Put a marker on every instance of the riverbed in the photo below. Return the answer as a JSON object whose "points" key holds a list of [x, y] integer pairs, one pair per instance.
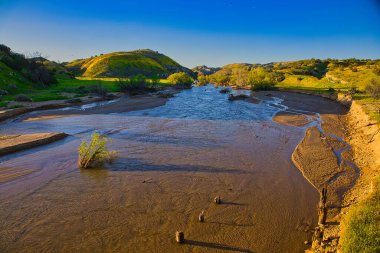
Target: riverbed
{"points": [[172, 161]]}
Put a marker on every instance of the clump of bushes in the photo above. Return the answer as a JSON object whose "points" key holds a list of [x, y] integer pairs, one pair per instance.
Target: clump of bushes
{"points": [[373, 88], [94, 152], [376, 71], [181, 80], [12, 87], [331, 90], [23, 98], [31, 68], [3, 92], [74, 101], [99, 90], [260, 79], [135, 85]]}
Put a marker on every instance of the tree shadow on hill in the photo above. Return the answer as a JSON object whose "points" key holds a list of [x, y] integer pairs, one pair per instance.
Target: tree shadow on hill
{"points": [[216, 246]]}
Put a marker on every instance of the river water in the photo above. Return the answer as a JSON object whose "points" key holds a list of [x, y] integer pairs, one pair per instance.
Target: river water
{"points": [[172, 161]]}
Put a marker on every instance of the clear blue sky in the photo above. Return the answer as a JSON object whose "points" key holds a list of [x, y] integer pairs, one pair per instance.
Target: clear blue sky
{"points": [[195, 32]]}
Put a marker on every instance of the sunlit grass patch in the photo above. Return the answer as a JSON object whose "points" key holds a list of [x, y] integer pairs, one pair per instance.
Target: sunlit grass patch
{"points": [[361, 226]]}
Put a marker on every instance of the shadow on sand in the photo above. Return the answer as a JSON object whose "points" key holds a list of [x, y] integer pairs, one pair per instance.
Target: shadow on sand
{"points": [[216, 246], [130, 164]]}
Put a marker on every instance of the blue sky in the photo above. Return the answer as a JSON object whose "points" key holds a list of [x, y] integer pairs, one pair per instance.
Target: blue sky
{"points": [[195, 32]]}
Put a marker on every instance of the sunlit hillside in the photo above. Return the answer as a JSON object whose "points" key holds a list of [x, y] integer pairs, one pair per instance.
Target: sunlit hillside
{"points": [[126, 64]]}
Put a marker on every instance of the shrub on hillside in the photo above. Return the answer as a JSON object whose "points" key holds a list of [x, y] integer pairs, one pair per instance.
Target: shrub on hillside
{"points": [[12, 87], [181, 79], [203, 79], [5, 49], [260, 79], [376, 71], [94, 152], [38, 73], [3, 92], [33, 70], [23, 98], [373, 88]]}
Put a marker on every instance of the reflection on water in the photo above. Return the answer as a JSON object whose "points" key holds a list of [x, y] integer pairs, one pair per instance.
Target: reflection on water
{"points": [[172, 161]]}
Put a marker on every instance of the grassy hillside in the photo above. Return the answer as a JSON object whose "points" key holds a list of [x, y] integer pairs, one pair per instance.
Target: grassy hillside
{"points": [[126, 64], [310, 74], [41, 80]]}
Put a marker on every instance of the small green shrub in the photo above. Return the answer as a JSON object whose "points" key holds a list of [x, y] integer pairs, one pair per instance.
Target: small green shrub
{"points": [[3, 92], [181, 79], [23, 98], [260, 79], [99, 90], [135, 85], [94, 152], [15, 106], [373, 88], [12, 88], [376, 71], [331, 90]]}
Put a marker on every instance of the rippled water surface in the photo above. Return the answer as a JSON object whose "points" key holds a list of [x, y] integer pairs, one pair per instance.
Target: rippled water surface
{"points": [[172, 161]]}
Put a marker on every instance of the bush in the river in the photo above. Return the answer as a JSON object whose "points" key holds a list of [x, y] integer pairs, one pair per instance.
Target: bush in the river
{"points": [[181, 79], [23, 98], [373, 88], [94, 152]]}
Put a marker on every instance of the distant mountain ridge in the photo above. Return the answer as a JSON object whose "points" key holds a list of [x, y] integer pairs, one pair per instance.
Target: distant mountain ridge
{"points": [[126, 64], [204, 70]]}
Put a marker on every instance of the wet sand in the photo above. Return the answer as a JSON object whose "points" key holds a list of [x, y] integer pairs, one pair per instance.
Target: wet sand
{"points": [[323, 156], [14, 143], [171, 165], [123, 104]]}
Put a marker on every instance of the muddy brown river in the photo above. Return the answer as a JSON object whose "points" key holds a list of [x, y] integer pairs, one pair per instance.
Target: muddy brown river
{"points": [[172, 161]]}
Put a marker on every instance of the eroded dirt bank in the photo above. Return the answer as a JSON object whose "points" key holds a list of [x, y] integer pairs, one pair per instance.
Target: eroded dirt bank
{"points": [[335, 146]]}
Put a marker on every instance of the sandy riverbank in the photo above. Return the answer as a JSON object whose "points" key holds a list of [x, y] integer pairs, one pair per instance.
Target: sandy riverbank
{"points": [[331, 153], [123, 104], [88, 105], [14, 143]]}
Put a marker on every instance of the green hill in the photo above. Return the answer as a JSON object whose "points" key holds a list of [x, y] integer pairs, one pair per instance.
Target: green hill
{"points": [[304, 74], [126, 64], [20, 73]]}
